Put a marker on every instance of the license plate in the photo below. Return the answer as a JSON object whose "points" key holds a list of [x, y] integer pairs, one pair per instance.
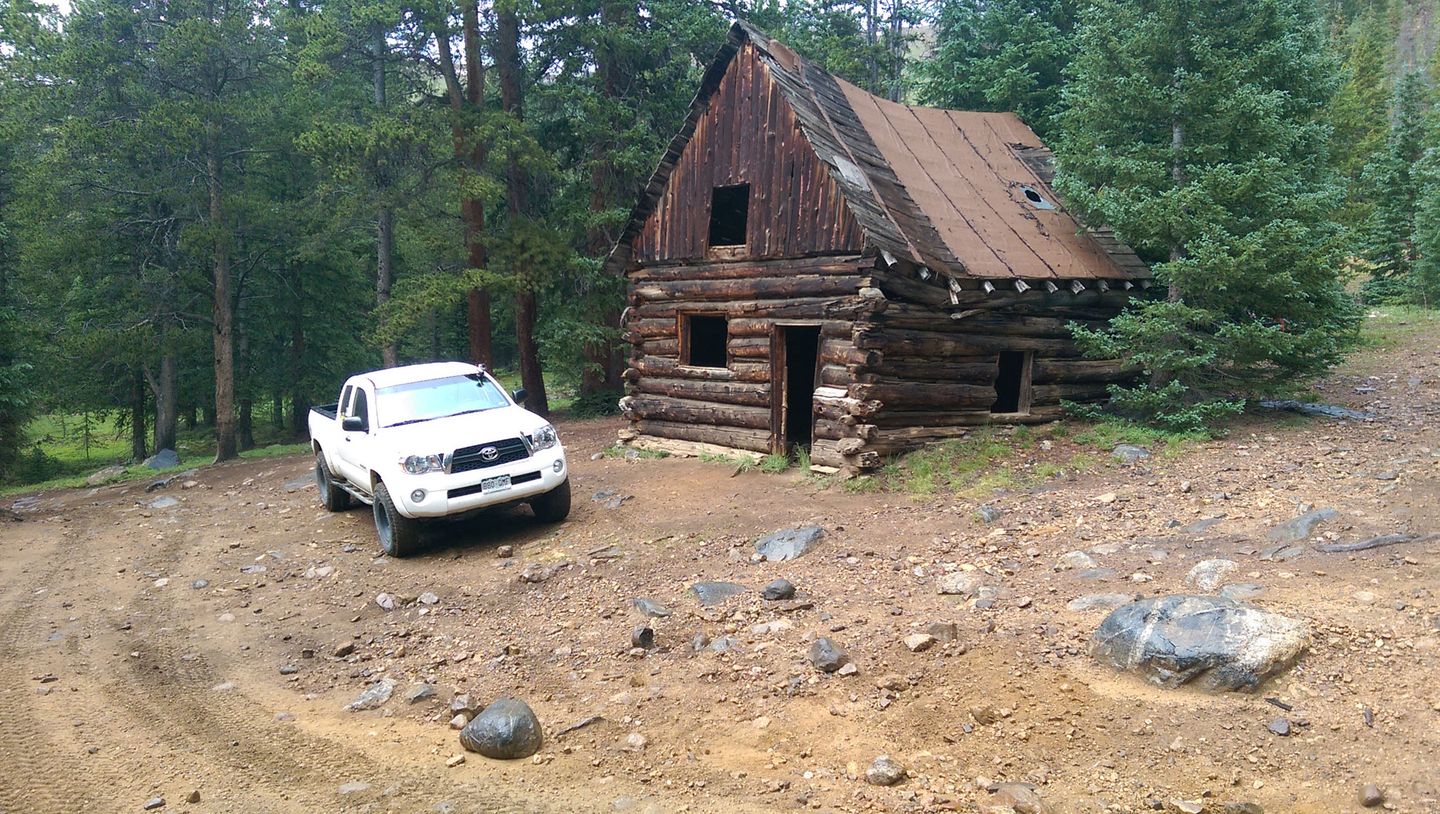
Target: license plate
{"points": [[499, 483]]}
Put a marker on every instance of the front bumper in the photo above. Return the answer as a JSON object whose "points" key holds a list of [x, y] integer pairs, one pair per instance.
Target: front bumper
{"points": [[448, 494]]}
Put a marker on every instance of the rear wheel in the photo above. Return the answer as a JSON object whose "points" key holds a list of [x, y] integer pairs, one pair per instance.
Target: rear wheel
{"points": [[554, 505], [334, 498], [399, 535]]}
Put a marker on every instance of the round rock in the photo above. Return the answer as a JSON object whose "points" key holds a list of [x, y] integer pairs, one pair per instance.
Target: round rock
{"points": [[505, 730], [885, 771], [779, 589]]}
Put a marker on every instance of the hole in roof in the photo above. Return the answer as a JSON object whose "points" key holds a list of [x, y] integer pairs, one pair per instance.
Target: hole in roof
{"points": [[1036, 199]]}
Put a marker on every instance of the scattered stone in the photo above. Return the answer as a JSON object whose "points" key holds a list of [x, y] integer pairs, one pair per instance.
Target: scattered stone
{"points": [[459, 721], [650, 608], [1280, 552], [1218, 643], [319, 571], [1279, 726], [428, 598], [985, 714], [455, 760], [193, 796], [1243, 808], [1019, 797], [419, 692], [989, 514], [1241, 591], [463, 704], [288, 669], [1090, 602], [1371, 796], [609, 498], [153, 803], [505, 730], [1312, 409], [944, 632], [826, 656], [164, 459], [535, 573], [635, 742], [100, 477], [505, 552], [254, 569], [386, 601], [699, 642], [1129, 453], [343, 649], [374, 696], [848, 669], [643, 636], [1107, 498], [1075, 561], [354, 787], [300, 483], [1299, 529], [961, 583], [919, 642], [724, 644], [1208, 574], [710, 594], [779, 589], [884, 771], [1187, 806], [789, 543], [163, 502]]}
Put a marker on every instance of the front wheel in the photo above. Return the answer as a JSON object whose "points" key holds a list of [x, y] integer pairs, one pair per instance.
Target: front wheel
{"points": [[334, 498], [399, 535], [554, 505]]}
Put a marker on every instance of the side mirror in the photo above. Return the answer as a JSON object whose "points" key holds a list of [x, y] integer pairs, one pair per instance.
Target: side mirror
{"points": [[519, 395], [353, 423]]}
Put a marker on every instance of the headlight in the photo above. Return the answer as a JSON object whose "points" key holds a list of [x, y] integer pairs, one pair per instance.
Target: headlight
{"points": [[420, 464], [543, 438]]}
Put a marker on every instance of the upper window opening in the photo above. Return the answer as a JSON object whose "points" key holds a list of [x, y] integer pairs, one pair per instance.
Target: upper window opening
{"points": [[703, 340], [1039, 201], [729, 215]]}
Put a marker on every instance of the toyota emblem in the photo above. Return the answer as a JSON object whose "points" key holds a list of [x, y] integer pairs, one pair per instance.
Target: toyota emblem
{"points": [[489, 453]]}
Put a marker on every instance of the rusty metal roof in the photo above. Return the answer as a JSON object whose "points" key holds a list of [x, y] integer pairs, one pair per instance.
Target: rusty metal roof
{"points": [[966, 194]]}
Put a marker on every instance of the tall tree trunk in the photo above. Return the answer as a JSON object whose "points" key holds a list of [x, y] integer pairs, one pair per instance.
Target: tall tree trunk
{"points": [[166, 415], [277, 412], [507, 62], [384, 215], [466, 101], [222, 309], [299, 401], [137, 415], [603, 358], [245, 427]]}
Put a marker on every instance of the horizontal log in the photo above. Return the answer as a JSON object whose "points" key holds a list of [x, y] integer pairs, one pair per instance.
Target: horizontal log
{"points": [[893, 419], [842, 308], [967, 369], [844, 352], [897, 342], [835, 376], [802, 285], [663, 408], [690, 449], [671, 368], [835, 408], [1055, 393], [825, 453], [900, 395], [835, 265], [1065, 371], [752, 394], [754, 440], [834, 430], [748, 347]]}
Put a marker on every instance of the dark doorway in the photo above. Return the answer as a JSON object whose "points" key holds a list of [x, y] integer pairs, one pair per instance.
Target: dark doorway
{"points": [[1012, 383], [798, 351], [729, 215]]}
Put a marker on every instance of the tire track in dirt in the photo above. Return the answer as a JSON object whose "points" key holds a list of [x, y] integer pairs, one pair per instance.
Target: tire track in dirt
{"points": [[38, 777], [169, 690]]}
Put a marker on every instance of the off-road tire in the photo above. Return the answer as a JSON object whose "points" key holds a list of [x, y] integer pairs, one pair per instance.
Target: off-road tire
{"points": [[399, 535], [334, 498], [554, 505]]}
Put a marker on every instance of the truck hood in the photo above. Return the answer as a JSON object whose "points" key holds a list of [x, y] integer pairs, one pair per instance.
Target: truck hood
{"points": [[444, 435]]}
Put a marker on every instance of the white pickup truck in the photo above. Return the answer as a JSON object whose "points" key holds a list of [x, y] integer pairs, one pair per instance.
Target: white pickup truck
{"points": [[434, 440]]}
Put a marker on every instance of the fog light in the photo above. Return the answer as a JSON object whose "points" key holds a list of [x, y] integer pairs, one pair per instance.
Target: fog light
{"points": [[417, 496], [558, 466]]}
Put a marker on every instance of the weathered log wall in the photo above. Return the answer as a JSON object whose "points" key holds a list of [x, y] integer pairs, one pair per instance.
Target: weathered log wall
{"points": [[749, 135]]}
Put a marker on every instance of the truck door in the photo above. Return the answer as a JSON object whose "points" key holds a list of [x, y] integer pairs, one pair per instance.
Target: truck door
{"points": [[354, 444]]}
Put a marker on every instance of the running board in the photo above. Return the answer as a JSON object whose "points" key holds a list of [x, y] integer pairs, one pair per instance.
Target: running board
{"points": [[358, 495]]}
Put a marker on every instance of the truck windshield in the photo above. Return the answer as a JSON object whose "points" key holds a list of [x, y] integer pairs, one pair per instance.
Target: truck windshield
{"points": [[436, 398]]}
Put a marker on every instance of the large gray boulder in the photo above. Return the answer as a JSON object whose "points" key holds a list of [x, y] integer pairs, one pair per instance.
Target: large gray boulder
{"points": [[505, 730], [164, 459], [1210, 641], [788, 544], [1300, 528]]}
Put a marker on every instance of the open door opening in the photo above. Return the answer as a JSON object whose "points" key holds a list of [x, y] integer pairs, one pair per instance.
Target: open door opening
{"points": [[799, 352], [1012, 383]]}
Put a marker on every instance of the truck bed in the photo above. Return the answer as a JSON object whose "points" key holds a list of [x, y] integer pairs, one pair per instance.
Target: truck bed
{"points": [[327, 410]]}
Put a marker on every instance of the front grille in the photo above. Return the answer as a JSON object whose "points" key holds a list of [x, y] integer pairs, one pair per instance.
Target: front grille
{"points": [[510, 450], [475, 488]]}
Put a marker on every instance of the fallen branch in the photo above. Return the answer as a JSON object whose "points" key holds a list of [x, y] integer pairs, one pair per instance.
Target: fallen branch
{"points": [[1375, 542]]}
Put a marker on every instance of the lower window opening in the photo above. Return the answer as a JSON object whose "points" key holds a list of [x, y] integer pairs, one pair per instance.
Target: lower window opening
{"points": [[705, 338]]}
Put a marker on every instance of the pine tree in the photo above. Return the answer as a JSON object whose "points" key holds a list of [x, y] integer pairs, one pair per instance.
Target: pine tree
{"points": [[1393, 183], [1007, 55], [1426, 273], [1358, 111], [1194, 129]]}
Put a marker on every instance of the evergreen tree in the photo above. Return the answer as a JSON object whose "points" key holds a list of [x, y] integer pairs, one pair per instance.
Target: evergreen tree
{"points": [[1359, 109], [1006, 55], [1393, 183], [1194, 129]]}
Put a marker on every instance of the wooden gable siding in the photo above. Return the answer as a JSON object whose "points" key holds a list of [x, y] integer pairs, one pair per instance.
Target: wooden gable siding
{"points": [[749, 135]]}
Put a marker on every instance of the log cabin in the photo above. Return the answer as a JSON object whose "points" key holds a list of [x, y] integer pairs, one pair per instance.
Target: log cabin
{"points": [[813, 266]]}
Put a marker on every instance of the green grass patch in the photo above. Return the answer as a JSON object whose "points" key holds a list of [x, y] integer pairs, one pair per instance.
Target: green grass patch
{"points": [[774, 464], [622, 451], [1388, 327], [277, 450], [1109, 434]]}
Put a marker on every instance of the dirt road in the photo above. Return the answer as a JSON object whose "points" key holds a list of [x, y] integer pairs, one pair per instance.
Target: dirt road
{"points": [[123, 678]]}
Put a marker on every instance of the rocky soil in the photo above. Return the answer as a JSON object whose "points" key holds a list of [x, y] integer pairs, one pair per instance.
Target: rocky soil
{"points": [[241, 650]]}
